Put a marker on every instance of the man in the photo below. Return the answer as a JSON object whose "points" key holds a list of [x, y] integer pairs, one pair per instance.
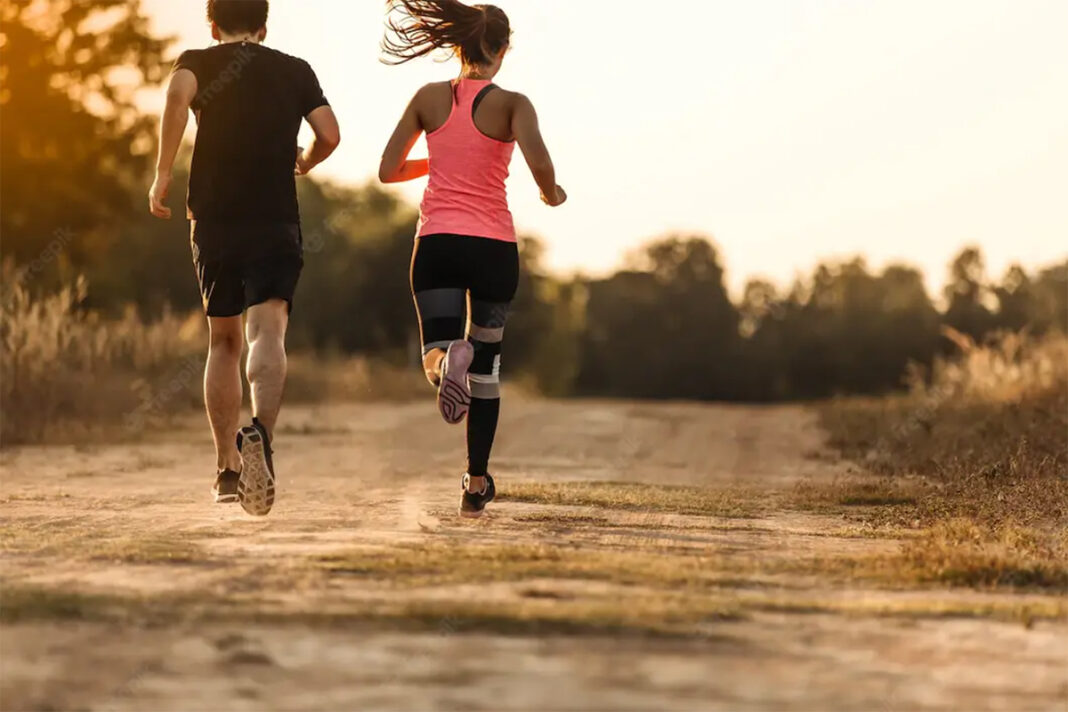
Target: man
{"points": [[249, 102]]}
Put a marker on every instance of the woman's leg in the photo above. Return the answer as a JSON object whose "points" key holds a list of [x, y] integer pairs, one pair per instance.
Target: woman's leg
{"points": [[494, 284], [440, 297], [486, 333]]}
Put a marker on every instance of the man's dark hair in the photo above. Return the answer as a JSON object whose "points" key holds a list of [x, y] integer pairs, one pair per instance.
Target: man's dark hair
{"points": [[233, 16]]}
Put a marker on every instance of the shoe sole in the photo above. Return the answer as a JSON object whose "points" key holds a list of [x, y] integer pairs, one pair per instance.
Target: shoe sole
{"points": [[454, 395], [472, 515], [224, 498], [255, 489]]}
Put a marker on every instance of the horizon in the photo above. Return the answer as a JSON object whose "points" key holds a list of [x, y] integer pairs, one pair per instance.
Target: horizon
{"points": [[898, 155]]}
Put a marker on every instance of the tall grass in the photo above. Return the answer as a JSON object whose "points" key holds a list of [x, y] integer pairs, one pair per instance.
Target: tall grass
{"points": [[65, 370], [987, 434], [67, 373], [996, 414]]}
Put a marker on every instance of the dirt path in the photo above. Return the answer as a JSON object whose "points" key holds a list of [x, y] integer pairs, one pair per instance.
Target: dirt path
{"points": [[363, 590]]}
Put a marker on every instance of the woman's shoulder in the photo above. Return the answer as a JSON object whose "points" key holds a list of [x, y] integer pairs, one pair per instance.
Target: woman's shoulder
{"points": [[513, 99], [506, 98]]}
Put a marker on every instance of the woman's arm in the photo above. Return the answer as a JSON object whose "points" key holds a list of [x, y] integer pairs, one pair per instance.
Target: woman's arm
{"points": [[528, 135], [395, 166]]}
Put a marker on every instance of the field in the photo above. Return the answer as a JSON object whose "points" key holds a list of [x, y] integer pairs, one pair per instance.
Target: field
{"points": [[641, 556]]}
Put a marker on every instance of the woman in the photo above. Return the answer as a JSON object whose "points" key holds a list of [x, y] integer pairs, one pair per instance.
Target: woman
{"points": [[465, 251]]}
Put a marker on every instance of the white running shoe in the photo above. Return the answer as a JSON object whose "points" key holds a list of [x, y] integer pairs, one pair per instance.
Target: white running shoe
{"points": [[255, 489]]}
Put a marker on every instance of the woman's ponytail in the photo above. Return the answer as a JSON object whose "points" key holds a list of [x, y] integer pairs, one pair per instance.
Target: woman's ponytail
{"points": [[418, 27]]}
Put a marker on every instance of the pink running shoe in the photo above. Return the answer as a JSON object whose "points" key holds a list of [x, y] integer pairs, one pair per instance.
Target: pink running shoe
{"points": [[454, 393]]}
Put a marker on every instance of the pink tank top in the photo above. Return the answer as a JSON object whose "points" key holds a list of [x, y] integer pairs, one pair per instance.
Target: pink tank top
{"points": [[466, 193]]}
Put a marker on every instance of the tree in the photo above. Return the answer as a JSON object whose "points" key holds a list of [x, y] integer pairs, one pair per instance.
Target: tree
{"points": [[1050, 306], [663, 328], [967, 295], [1037, 304], [761, 369], [73, 146], [1016, 300], [845, 331]]}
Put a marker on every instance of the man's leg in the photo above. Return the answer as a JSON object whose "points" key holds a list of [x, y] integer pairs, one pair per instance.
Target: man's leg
{"points": [[222, 388], [223, 295], [270, 282], [266, 368]]}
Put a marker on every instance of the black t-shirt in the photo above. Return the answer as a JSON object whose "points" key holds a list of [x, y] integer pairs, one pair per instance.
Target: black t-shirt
{"points": [[250, 103]]}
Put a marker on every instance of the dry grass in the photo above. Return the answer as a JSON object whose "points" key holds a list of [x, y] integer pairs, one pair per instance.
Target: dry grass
{"points": [[1006, 610], [662, 615], [439, 564], [77, 540], [577, 592], [956, 554], [963, 553], [729, 502], [68, 373], [988, 434], [145, 551], [65, 370], [530, 586], [22, 603], [857, 493]]}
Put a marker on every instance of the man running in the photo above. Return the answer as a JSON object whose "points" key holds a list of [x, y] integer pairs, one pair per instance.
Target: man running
{"points": [[249, 102]]}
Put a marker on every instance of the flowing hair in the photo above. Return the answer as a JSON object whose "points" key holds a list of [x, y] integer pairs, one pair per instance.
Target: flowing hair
{"points": [[415, 28]]}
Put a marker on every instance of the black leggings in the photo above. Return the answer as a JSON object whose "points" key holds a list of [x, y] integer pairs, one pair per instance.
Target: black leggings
{"points": [[455, 277]]}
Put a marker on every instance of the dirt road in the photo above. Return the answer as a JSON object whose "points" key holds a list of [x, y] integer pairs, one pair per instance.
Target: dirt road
{"points": [[124, 588]]}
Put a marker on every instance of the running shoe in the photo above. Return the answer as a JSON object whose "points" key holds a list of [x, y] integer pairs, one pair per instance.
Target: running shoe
{"points": [[472, 504], [225, 488], [454, 392], [255, 488]]}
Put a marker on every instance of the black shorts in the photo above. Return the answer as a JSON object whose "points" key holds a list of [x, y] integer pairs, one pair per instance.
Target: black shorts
{"points": [[463, 288], [240, 265]]}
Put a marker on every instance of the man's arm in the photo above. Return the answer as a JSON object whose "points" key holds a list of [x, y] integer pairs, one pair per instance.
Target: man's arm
{"points": [[327, 138], [528, 135], [180, 94], [395, 166]]}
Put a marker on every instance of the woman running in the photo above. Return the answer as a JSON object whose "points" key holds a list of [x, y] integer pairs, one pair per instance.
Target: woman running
{"points": [[466, 258]]}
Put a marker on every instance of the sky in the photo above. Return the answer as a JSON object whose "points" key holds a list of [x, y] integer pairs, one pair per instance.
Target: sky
{"points": [[788, 131]]}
